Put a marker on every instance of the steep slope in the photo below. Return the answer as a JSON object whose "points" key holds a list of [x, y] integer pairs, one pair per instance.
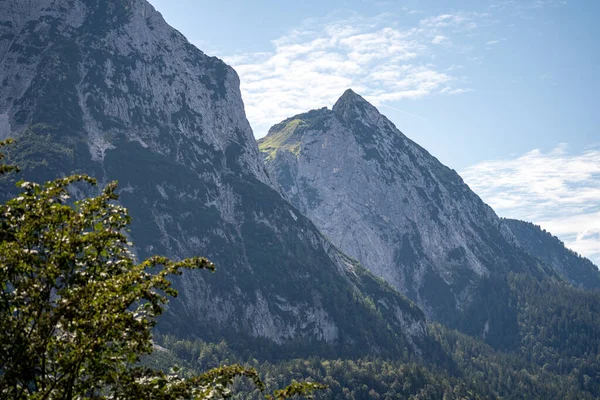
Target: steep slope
{"points": [[108, 88], [578, 270], [387, 202]]}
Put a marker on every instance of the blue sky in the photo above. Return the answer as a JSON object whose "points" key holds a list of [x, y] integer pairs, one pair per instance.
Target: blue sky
{"points": [[504, 91]]}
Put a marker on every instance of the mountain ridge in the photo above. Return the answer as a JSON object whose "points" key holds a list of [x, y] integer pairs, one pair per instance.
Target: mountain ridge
{"points": [[578, 270]]}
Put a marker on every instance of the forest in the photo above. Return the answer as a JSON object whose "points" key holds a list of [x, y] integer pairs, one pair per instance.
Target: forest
{"points": [[554, 354]]}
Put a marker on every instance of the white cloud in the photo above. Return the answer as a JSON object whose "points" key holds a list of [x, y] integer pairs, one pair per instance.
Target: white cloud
{"points": [[558, 190], [491, 43], [457, 22], [476, 59], [311, 67], [449, 90], [440, 39]]}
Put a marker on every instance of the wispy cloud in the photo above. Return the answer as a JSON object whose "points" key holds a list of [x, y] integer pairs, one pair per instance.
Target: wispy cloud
{"points": [[524, 9], [495, 41], [311, 67], [558, 190], [440, 39], [450, 90], [457, 22]]}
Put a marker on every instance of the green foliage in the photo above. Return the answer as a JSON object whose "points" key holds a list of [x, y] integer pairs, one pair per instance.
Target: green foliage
{"points": [[559, 327], [3, 167], [498, 374], [363, 378], [543, 330], [77, 311], [42, 153], [281, 139], [480, 372], [297, 389]]}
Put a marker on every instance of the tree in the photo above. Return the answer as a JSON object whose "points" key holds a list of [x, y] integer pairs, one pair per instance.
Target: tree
{"points": [[77, 311]]}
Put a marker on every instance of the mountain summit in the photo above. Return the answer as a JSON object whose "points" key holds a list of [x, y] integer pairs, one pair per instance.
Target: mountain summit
{"points": [[353, 107], [388, 203]]}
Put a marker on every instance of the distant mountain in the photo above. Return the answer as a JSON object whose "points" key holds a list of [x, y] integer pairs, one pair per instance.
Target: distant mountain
{"points": [[387, 202], [578, 270], [108, 88]]}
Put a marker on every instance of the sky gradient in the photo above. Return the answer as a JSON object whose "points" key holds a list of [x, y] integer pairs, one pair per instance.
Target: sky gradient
{"points": [[503, 91]]}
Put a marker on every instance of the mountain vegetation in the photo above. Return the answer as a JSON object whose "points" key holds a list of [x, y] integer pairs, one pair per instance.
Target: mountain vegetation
{"points": [[554, 354]]}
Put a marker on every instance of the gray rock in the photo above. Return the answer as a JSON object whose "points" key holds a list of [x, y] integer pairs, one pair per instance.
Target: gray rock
{"points": [[387, 202]]}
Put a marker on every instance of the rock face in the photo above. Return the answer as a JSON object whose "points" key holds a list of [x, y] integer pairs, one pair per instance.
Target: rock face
{"points": [[387, 202], [578, 270], [108, 88]]}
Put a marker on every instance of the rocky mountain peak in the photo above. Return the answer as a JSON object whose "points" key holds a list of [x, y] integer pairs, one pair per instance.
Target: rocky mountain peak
{"points": [[352, 107], [388, 203]]}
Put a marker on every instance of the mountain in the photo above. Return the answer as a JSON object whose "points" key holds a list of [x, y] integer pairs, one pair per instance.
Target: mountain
{"points": [[387, 202], [109, 89], [578, 270]]}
